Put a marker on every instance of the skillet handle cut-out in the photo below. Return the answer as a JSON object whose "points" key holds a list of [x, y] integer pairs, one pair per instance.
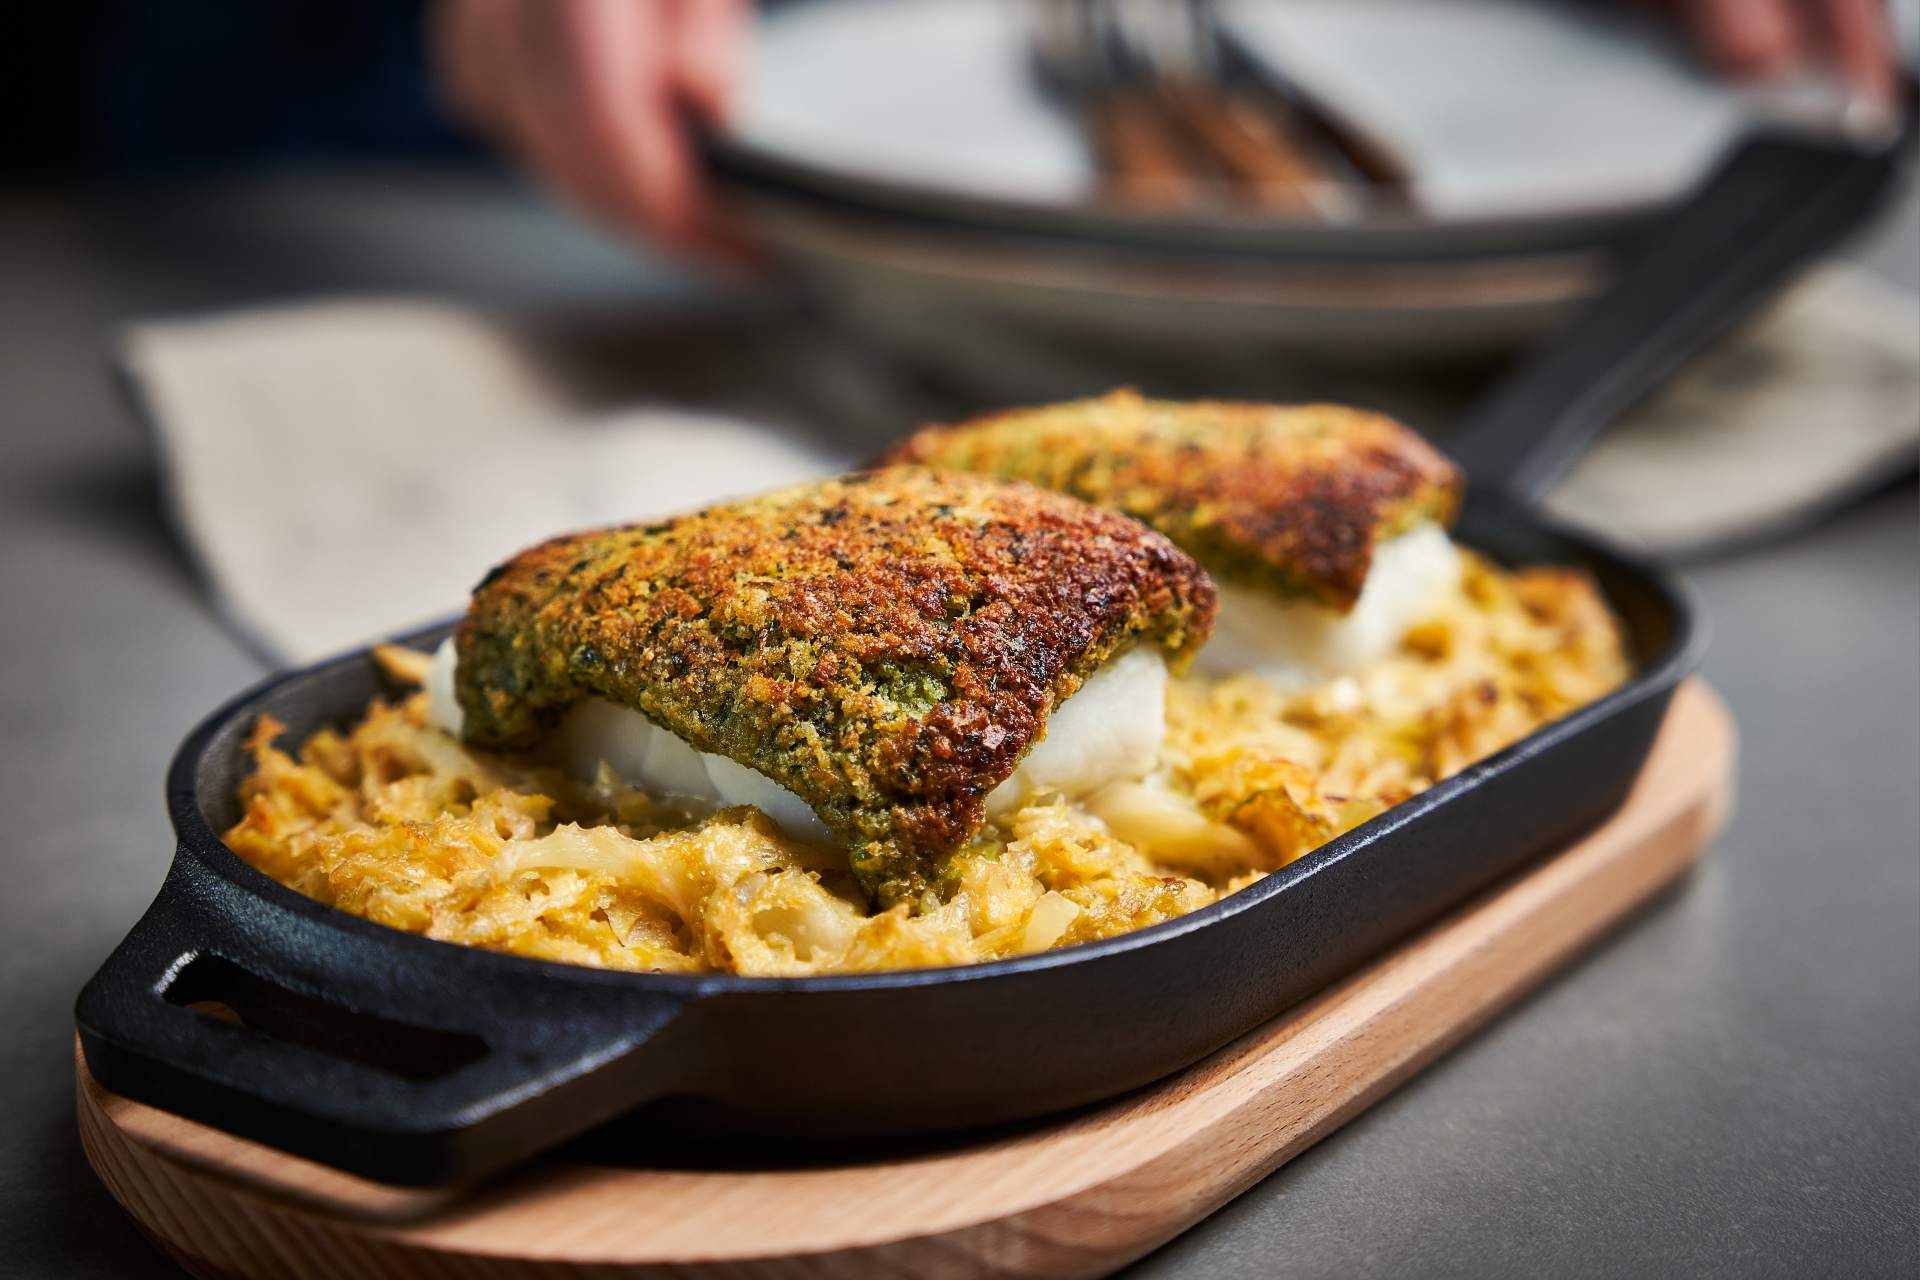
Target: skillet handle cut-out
{"points": [[1778, 200], [355, 1045]]}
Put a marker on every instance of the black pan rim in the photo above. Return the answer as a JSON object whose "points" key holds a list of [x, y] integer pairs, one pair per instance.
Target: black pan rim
{"points": [[1385, 239], [197, 838]]}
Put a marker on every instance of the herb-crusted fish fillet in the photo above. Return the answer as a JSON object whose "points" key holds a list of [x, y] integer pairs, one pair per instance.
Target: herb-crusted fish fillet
{"points": [[1294, 498], [887, 645]]}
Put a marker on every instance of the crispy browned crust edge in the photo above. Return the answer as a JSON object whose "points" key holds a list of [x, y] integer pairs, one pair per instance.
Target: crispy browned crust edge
{"points": [[886, 645], [1294, 498]]}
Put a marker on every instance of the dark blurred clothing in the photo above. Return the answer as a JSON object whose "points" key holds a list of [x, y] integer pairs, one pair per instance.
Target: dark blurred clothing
{"points": [[115, 87]]}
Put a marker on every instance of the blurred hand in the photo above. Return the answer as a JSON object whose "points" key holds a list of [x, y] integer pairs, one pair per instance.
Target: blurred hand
{"points": [[1763, 38], [597, 96]]}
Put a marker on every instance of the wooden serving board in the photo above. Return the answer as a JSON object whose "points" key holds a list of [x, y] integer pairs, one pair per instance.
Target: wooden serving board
{"points": [[1079, 1197]]}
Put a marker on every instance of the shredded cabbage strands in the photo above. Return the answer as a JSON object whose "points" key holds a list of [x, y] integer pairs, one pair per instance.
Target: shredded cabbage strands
{"points": [[395, 821]]}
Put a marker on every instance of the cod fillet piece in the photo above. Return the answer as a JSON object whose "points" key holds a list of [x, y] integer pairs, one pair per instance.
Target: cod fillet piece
{"points": [[1293, 498], [886, 645]]}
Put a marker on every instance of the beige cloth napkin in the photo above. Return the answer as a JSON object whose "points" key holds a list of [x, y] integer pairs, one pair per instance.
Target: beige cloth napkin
{"points": [[346, 470], [1815, 401]]}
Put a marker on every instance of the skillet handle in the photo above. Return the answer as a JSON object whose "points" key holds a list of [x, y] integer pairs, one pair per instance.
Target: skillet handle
{"points": [[1774, 203], [357, 1046]]}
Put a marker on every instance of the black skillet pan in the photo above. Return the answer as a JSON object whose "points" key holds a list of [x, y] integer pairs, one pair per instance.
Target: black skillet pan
{"points": [[414, 1061]]}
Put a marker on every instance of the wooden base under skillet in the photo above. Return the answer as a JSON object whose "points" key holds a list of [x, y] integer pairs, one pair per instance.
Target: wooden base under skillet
{"points": [[1078, 1197]]}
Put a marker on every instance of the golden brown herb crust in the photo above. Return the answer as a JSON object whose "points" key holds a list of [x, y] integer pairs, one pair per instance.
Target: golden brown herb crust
{"points": [[1291, 497], [885, 645]]}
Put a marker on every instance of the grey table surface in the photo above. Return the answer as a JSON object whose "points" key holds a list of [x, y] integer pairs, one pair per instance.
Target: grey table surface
{"points": [[1731, 1086]]}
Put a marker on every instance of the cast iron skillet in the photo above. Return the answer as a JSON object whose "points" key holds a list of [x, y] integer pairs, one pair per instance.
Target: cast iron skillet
{"points": [[414, 1061], [410, 1060]]}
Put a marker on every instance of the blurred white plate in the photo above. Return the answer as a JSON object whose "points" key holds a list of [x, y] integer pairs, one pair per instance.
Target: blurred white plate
{"points": [[901, 151]]}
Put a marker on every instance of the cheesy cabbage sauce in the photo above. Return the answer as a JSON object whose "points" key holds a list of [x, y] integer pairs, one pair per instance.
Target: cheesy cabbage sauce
{"points": [[400, 823]]}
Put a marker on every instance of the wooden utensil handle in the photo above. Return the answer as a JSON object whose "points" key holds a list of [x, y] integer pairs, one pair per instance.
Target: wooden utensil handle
{"points": [[1142, 161], [1251, 145]]}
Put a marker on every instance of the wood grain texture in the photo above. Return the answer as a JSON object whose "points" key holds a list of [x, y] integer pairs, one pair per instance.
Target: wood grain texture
{"points": [[1078, 1198]]}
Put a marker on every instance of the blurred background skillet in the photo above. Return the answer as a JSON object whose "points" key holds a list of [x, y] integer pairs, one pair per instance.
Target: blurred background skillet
{"points": [[938, 170]]}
